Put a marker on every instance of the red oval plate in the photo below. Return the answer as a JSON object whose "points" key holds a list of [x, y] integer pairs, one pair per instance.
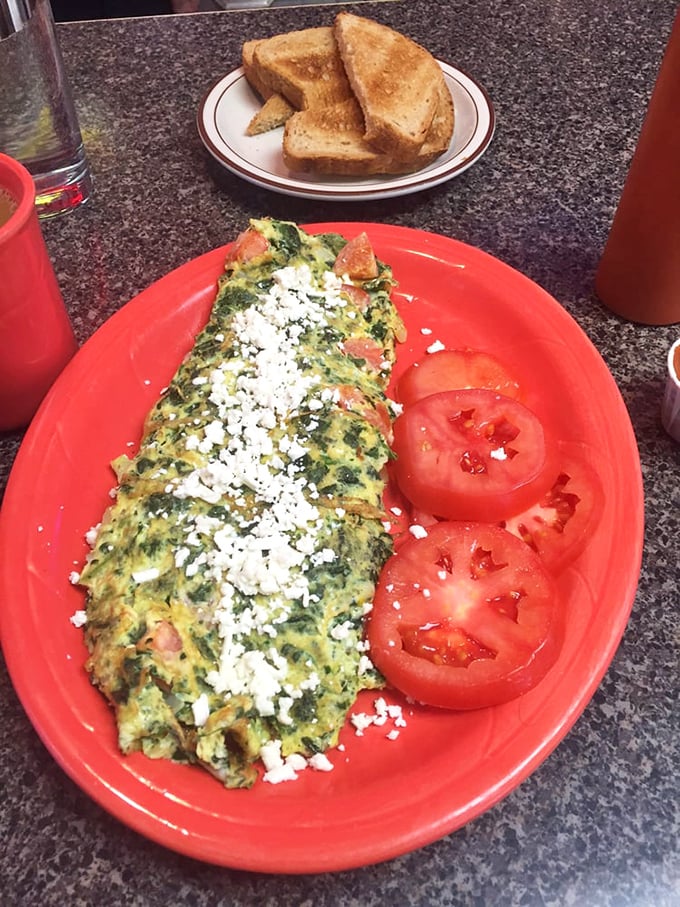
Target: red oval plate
{"points": [[384, 797]]}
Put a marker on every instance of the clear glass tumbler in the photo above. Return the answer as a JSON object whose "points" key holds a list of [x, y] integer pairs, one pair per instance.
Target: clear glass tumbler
{"points": [[38, 122]]}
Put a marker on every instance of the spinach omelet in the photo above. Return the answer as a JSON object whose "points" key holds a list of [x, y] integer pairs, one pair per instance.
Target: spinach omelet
{"points": [[228, 582]]}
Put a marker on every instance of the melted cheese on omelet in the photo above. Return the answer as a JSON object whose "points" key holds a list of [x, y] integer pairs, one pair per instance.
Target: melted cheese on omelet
{"points": [[228, 583]]}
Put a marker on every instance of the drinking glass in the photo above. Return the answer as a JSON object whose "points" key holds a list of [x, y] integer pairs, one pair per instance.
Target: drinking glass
{"points": [[38, 122]]}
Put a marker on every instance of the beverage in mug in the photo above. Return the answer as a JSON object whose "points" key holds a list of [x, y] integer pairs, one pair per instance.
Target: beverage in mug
{"points": [[8, 206], [38, 123]]}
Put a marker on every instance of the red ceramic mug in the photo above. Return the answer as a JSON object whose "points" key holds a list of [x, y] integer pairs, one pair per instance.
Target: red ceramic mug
{"points": [[36, 337]]}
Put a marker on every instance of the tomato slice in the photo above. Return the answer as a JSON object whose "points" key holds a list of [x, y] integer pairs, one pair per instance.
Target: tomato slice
{"points": [[471, 455], [453, 370], [357, 259], [465, 618], [557, 527]]}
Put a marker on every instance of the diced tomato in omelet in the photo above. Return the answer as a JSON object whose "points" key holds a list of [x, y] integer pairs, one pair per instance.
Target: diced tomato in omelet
{"points": [[247, 245], [357, 259], [365, 348]]}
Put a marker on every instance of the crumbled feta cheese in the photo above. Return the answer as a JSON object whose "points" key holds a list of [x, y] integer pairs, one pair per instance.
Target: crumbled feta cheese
{"points": [[341, 631], [276, 770], [201, 710], [91, 535], [78, 618], [296, 761], [311, 683], [361, 721], [250, 672], [270, 754], [365, 665], [384, 712], [181, 556], [285, 703], [280, 773], [145, 576], [436, 347], [417, 531], [395, 713], [320, 763]]}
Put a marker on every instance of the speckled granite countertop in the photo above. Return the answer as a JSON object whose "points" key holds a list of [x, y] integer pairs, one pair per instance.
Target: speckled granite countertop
{"points": [[596, 823]]}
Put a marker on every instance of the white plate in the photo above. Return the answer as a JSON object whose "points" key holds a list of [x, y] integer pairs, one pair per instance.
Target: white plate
{"points": [[231, 103]]}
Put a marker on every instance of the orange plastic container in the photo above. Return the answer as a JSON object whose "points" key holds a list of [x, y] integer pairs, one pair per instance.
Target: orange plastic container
{"points": [[639, 273], [36, 337]]}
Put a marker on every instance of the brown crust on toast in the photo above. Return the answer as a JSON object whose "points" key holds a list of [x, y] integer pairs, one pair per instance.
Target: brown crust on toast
{"points": [[255, 77], [441, 129]]}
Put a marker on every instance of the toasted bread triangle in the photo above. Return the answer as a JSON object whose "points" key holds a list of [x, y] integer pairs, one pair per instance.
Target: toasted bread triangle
{"points": [[396, 82], [304, 66], [274, 112]]}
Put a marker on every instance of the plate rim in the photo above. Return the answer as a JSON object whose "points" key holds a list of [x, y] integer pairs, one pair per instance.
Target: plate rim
{"points": [[351, 190], [404, 239]]}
